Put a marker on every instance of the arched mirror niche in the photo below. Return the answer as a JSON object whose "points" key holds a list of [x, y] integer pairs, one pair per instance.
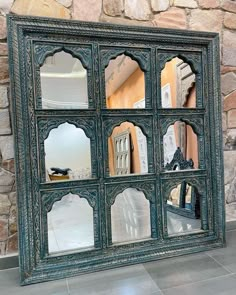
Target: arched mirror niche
{"points": [[70, 225], [127, 150], [63, 82], [180, 147], [183, 210], [67, 154], [178, 85], [124, 84], [130, 217]]}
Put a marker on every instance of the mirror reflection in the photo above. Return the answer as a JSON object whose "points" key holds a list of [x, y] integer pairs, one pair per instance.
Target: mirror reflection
{"points": [[180, 147], [125, 84], [130, 217], [127, 150], [178, 85], [183, 209], [70, 225], [67, 154], [63, 82]]}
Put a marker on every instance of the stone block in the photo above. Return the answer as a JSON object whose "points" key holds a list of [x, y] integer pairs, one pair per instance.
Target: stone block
{"points": [[231, 119], [209, 3], [3, 28], [174, 18], [138, 9], [229, 48], [87, 10], [4, 72], [5, 204], [7, 147], [9, 165], [225, 69], [5, 6], [13, 220], [229, 165], [3, 246], [229, 5], [5, 127], [230, 141], [230, 101], [113, 7], [12, 198], [206, 20], [224, 121], [66, 3], [186, 3], [228, 83], [7, 181], [160, 5], [3, 49], [3, 97], [230, 21], [124, 21], [12, 244], [3, 228], [49, 8]]}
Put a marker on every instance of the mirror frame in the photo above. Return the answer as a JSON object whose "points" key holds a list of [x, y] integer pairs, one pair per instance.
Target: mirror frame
{"points": [[31, 40]]}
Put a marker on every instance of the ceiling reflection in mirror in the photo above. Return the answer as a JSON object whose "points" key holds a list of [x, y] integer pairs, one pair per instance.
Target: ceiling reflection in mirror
{"points": [[130, 217], [178, 87], [67, 154], [70, 225], [127, 150], [63, 82], [125, 84], [180, 147], [183, 210]]}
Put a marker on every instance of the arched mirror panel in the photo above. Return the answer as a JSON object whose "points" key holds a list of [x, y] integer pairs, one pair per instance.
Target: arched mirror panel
{"points": [[178, 85], [127, 150], [67, 154], [70, 225], [180, 145], [183, 211], [130, 217], [125, 84], [64, 82]]}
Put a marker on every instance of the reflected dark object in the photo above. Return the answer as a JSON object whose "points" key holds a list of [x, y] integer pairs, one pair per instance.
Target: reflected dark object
{"points": [[60, 171], [178, 162]]}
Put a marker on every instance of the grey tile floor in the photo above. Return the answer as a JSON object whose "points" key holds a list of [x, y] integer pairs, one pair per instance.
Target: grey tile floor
{"points": [[207, 273]]}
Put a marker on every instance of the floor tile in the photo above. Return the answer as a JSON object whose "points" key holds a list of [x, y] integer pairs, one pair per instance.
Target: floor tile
{"points": [[9, 285], [182, 270], [225, 285], [132, 280]]}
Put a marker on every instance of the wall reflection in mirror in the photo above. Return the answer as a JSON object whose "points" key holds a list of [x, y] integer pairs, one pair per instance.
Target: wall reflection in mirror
{"points": [[63, 82], [125, 84], [127, 150], [130, 217], [67, 154], [183, 210], [180, 147], [70, 225], [178, 85]]}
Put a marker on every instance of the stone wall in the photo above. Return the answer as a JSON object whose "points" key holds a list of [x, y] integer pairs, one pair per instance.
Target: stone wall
{"points": [[206, 15]]}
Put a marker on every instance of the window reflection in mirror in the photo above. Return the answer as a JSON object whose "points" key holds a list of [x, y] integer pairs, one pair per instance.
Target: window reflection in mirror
{"points": [[125, 84], [70, 225], [178, 85], [180, 147], [63, 82], [183, 210], [130, 217], [67, 154], [127, 150]]}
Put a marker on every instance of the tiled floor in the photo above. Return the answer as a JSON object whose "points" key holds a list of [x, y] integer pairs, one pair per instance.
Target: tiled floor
{"points": [[209, 273]]}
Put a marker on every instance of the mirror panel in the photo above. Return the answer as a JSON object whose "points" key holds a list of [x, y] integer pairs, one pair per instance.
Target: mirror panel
{"points": [[67, 154], [183, 210], [63, 82], [178, 85], [180, 145], [130, 217], [127, 150], [70, 225], [125, 84]]}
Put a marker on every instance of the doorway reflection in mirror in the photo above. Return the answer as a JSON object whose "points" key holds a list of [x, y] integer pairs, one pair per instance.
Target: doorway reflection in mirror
{"points": [[67, 154], [63, 82], [127, 150], [178, 85], [125, 83]]}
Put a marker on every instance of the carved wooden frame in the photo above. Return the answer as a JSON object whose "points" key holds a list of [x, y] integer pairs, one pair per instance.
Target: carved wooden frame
{"points": [[30, 40]]}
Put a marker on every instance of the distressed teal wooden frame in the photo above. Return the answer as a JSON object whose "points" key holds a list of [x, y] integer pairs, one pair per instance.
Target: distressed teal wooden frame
{"points": [[31, 40]]}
